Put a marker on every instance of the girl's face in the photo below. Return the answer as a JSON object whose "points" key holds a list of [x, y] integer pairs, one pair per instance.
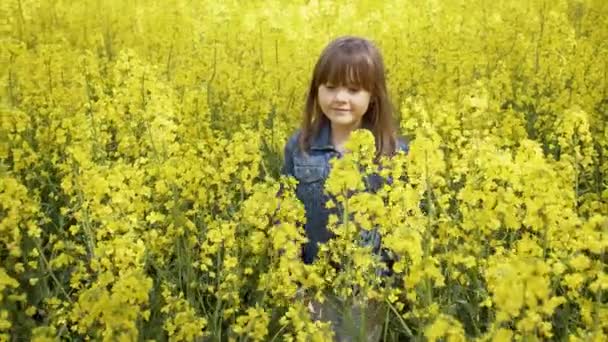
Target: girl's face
{"points": [[342, 105]]}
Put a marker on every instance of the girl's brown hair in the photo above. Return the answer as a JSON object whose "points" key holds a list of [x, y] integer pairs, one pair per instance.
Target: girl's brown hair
{"points": [[354, 62]]}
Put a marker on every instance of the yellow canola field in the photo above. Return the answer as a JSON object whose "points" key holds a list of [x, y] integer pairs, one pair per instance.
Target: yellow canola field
{"points": [[141, 143]]}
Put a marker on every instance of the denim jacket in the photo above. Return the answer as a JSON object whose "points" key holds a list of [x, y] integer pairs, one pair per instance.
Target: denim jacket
{"points": [[311, 170]]}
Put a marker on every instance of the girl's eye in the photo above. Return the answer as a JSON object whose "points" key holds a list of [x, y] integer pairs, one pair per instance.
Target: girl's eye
{"points": [[350, 89]]}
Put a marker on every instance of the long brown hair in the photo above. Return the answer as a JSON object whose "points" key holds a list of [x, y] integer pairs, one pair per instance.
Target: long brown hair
{"points": [[352, 61]]}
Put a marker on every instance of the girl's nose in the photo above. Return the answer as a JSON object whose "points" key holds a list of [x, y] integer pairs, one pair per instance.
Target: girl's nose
{"points": [[341, 94]]}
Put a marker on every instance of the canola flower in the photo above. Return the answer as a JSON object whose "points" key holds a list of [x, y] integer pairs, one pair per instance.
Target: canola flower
{"points": [[140, 152]]}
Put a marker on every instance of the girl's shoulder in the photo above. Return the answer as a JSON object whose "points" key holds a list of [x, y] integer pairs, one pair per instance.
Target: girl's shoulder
{"points": [[292, 142]]}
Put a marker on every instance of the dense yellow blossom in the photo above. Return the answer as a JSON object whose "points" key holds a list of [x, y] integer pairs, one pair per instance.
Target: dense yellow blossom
{"points": [[140, 149]]}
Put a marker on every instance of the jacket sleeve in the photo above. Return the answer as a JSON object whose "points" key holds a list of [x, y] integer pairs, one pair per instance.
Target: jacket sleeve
{"points": [[290, 147], [385, 254]]}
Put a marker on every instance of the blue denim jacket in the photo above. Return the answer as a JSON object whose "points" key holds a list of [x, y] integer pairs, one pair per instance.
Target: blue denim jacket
{"points": [[311, 171]]}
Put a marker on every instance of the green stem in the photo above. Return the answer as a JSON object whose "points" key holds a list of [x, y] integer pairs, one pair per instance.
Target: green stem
{"points": [[51, 273], [20, 20], [218, 305], [9, 86], [403, 324], [278, 332], [86, 224], [91, 115], [427, 233]]}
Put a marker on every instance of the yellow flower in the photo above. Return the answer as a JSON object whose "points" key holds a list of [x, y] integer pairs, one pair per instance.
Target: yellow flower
{"points": [[254, 324], [445, 327]]}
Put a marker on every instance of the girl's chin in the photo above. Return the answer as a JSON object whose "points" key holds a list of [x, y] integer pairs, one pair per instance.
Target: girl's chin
{"points": [[342, 119], [343, 122]]}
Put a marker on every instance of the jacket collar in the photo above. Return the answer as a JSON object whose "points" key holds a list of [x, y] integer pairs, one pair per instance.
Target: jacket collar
{"points": [[322, 141]]}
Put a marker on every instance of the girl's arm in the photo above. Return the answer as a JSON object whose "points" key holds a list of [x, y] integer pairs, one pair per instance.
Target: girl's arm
{"points": [[372, 237], [290, 147]]}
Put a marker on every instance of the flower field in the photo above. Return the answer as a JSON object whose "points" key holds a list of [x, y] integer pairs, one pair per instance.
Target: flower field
{"points": [[141, 198]]}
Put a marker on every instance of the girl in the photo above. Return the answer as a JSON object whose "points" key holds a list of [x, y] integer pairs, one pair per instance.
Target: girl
{"points": [[347, 92]]}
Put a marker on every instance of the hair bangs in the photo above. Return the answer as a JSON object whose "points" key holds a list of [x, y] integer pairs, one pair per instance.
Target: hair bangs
{"points": [[347, 68]]}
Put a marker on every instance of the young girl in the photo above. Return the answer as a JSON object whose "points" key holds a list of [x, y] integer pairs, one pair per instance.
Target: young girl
{"points": [[347, 92]]}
